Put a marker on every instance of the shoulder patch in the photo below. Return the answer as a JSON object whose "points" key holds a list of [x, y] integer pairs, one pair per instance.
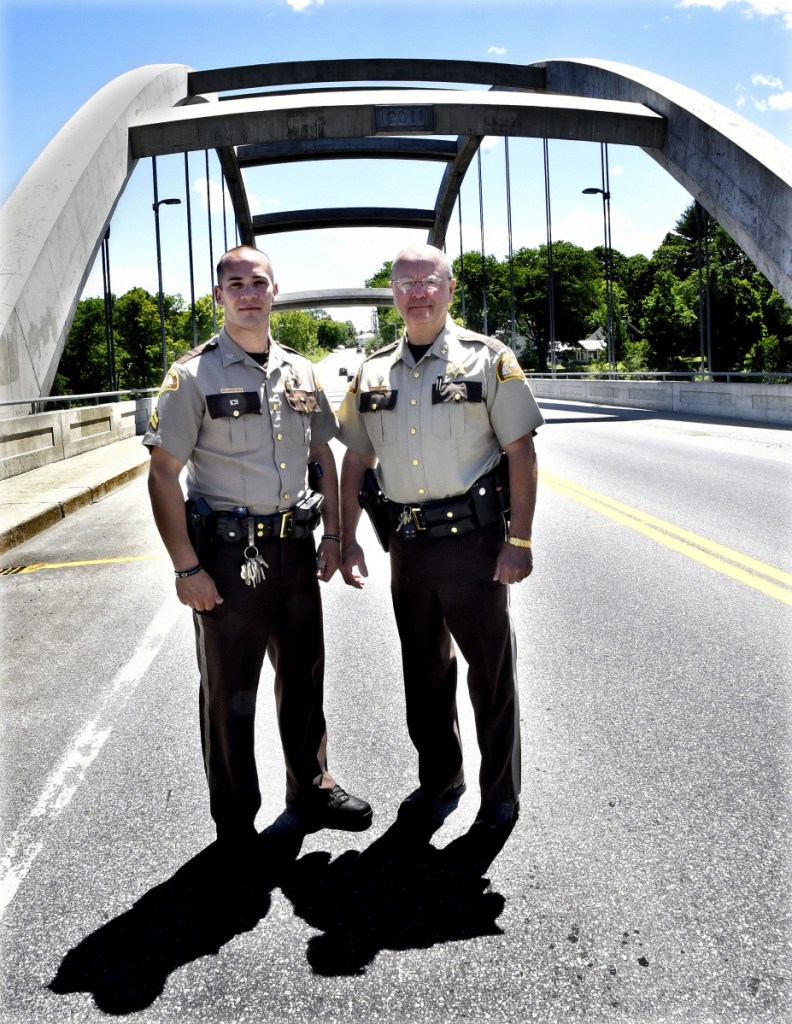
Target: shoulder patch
{"points": [[509, 368], [170, 383]]}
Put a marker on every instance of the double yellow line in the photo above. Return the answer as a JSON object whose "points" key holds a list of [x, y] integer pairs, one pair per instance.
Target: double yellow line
{"points": [[746, 570]]}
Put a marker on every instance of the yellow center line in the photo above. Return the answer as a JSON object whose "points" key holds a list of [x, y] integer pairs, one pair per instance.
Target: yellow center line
{"points": [[37, 566], [738, 566]]}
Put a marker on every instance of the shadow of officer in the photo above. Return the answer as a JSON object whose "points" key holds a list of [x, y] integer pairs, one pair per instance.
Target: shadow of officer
{"points": [[125, 964], [400, 893]]}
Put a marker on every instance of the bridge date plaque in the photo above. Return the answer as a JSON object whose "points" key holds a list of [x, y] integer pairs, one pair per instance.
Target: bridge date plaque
{"points": [[404, 119]]}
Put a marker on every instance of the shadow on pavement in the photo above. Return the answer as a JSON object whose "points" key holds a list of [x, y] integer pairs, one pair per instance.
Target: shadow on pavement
{"points": [[209, 900], [399, 893]]}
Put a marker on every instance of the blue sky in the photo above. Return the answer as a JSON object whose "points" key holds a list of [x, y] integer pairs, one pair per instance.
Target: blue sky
{"points": [[56, 55]]}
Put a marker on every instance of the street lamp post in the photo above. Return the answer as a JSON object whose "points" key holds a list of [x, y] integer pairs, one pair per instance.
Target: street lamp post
{"points": [[155, 207], [606, 220]]}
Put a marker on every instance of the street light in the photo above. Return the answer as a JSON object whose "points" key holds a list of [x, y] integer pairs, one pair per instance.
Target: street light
{"points": [[606, 219], [155, 207]]}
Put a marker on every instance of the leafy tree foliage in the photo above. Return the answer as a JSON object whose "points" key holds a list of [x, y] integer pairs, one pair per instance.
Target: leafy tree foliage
{"points": [[83, 366], [656, 304]]}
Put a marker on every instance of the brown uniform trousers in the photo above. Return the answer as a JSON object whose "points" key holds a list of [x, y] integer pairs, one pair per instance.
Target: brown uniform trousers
{"points": [[443, 588], [282, 617]]}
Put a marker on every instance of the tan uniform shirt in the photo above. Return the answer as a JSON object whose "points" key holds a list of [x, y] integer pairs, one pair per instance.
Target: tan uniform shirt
{"points": [[437, 426], [242, 429]]}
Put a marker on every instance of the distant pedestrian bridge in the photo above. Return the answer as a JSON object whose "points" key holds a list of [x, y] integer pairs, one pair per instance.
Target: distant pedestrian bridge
{"points": [[56, 220]]}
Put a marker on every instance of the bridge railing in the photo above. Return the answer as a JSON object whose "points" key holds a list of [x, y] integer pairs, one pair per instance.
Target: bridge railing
{"points": [[710, 377], [764, 398], [61, 426], [70, 401]]}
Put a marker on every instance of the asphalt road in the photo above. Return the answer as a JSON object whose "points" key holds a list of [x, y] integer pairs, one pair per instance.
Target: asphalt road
{"points": [[648, 879]]}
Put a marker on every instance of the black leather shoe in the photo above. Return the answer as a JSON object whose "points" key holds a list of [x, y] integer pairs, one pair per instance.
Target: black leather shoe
{"points": [[422, 803], [498, 817], [333, 808]]}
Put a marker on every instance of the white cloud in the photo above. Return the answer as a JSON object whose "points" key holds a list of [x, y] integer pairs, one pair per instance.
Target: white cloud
{"points": [[498, 50], [214, 193], [750, 8], [303, 5], [778, 100], [770, 81], [256, 203], [783, 101]]}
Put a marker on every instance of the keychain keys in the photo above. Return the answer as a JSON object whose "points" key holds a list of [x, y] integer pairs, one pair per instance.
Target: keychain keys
{"points": [[252, 571], [406, 523]]}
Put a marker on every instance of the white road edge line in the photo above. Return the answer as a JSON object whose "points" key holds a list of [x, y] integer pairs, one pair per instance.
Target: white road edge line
{"points": [[28, 840]]}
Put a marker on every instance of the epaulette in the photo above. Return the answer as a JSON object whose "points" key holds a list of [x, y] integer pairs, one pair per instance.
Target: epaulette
{"points": [[493, 343], [199, 350], [390, 347]]}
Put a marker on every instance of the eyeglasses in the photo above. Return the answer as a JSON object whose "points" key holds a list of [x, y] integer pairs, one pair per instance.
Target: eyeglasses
{"points": [[429, 284]]}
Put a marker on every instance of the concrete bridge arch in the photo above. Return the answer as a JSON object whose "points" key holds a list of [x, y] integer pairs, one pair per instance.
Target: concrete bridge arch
{"points": [[54, 222]]}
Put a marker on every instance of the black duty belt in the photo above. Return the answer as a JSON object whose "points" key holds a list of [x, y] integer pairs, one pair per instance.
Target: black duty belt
{"points": [[485, 503], [235, 529]]}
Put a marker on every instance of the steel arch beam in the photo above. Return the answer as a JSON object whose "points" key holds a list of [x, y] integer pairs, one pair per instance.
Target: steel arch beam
{"points": [[55, 220], [740, 174], [344, 217], [333, 297], [53, 223], [366, 69]]}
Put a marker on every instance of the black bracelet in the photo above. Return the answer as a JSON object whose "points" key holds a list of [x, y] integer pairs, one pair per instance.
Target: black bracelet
{"points": [[331, 536], [188, 572]]}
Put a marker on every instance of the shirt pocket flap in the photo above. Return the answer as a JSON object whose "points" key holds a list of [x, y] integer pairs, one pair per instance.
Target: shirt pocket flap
{"points": [[376, 401], [236, 403], [456, 391]]}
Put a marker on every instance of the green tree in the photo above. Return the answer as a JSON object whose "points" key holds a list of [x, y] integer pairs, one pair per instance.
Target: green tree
{"points": [[668, 323], [298, 330], [483, 286], [578, 295], [183, 329], [330, 334], [139, 344], [83, 365]]}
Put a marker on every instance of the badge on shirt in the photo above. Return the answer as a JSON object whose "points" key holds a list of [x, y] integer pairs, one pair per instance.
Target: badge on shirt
{"points": [[509, 368]]}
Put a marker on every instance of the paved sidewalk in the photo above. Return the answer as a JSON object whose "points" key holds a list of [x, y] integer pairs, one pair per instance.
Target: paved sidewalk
{"points": [[33, 501]]}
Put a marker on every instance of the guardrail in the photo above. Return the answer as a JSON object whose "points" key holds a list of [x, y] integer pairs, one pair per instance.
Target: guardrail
{"points": [[37, 439], [69, 400], [689, 375], [745, 397]]}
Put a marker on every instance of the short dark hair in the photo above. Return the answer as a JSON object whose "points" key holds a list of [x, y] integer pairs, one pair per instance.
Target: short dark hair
{"points": [[237, 248]]}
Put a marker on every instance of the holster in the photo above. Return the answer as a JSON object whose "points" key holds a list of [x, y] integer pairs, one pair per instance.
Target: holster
{"points": [[376, 506]]}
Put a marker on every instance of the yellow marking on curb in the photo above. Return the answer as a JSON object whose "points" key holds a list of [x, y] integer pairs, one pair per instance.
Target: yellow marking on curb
{"points": [[738, 566], [18, 570]]}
